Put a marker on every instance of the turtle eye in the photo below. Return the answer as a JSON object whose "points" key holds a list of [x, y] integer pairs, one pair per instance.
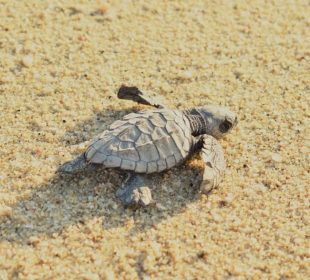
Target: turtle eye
{"points": [[225, 126]]}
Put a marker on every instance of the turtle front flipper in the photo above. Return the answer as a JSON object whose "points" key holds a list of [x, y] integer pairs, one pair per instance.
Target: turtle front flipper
{"points": [[213, 157], [134, 94], [134, 191]]}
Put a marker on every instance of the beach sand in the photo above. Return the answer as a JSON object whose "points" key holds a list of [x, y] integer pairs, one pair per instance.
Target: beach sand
{"points": [[61, 63]]}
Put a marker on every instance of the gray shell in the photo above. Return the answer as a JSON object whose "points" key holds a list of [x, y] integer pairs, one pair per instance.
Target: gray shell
{"points": [[144, 142]]}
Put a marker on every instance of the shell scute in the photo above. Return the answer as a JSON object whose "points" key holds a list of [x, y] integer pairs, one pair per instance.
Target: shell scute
{"points": [[170, 161], [130, 153], [148, 152], [165, 147], [117, 124], [145, 127], [141, 167], [161, 165], [151, 167], [171, 126], [96, 152], [186, 145], [178, 140], [98, 158], [126, 145], [168, 115], [158, 133], [131, 133], [131, 116], [112, 161], [110, 147], [143, 139], [179, 120], [179, 156], [128, 164], [158, 120]]}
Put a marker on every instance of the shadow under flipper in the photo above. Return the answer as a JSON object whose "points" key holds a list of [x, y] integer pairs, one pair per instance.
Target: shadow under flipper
{"points": [[172, 191], [68, 200]]}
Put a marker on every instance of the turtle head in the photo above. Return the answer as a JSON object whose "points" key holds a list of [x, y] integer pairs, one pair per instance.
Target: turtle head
{"points": [[218, 120]]}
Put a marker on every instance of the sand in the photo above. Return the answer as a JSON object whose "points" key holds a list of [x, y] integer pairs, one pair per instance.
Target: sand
{"points": [[61, 63]]}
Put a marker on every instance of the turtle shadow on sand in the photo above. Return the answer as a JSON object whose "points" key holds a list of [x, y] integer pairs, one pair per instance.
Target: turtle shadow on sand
{"points": [[75, 199]]}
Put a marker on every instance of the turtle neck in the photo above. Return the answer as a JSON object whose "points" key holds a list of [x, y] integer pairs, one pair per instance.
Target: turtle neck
{"points": [[196, 120]]}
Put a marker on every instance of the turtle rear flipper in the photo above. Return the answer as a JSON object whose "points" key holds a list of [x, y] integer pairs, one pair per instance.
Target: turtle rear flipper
{"points": [[77, 165], [134, 192]]}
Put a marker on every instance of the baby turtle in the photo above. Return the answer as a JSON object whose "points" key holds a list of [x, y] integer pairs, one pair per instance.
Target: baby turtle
{"points": [[156, 140]]}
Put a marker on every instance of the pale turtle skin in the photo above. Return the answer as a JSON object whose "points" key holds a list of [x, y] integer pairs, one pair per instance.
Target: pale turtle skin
{"points": [[156, 140]]}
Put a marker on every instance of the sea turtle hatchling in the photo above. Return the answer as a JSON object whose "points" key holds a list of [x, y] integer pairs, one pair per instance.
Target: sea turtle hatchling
{"points": [[156, 140]]}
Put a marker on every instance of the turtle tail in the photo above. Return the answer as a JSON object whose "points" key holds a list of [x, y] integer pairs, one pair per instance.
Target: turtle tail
{"points": [[76, 165]]}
